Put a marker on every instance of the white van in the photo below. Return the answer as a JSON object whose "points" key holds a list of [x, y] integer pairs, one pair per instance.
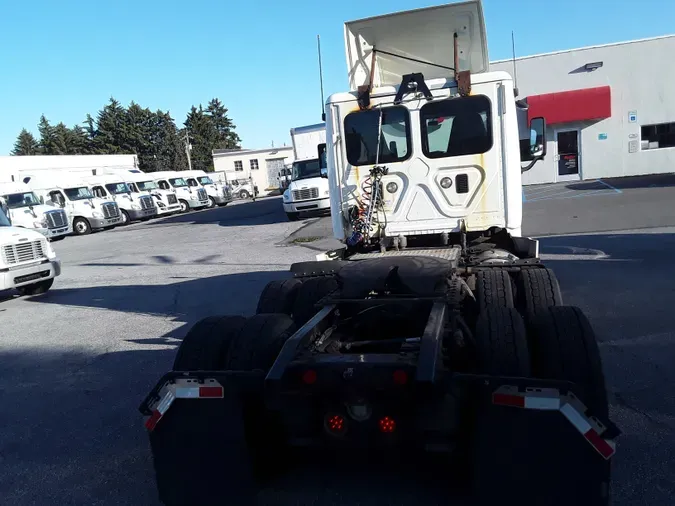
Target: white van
{"points": [[27, 261], [139, 208], [187, 197], [85, 211], [219, 195], [25, 210]]}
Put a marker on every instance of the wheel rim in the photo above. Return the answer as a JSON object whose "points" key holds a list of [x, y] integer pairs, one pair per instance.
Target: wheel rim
{"points": [[125, 218], [244, 195], [211, 202], [81, 227], [183, 206]]}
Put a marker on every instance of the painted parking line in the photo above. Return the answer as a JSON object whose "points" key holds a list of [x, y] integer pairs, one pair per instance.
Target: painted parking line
{"points": [[573, 190]]}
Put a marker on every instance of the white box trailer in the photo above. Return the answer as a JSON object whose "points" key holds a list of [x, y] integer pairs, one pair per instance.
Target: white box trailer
{"points": [[306, 140]]}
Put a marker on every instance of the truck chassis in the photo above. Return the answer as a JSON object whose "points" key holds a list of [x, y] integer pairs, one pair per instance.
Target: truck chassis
{"points": [[464, 350]]}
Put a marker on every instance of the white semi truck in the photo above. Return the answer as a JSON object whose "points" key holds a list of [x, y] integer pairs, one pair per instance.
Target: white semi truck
{"points": [[144, 184], [86, 212], [188, 198], [434, 328], [218, 194], [28, 263], [114, 187], [308, 190], [25, 210]]}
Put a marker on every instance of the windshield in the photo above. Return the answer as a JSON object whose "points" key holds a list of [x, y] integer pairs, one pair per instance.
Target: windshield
{"points": [[306, 169], [4, 222], [178, 182], [118, 188], [80, 193], [205, 180], [147, 185], [16, 200]]}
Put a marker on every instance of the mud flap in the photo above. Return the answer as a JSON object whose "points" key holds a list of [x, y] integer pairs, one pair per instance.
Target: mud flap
{"points": [[200, 454]]}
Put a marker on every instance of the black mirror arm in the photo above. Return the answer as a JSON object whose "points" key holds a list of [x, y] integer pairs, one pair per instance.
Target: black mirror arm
{"points": [[534, 160]]}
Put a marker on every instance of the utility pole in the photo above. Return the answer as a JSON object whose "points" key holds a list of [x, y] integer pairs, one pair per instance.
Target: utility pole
{"points": [[188, 148]]}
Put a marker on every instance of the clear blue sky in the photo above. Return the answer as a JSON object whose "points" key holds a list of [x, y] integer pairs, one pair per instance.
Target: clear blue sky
{"points": [[66, 58]]}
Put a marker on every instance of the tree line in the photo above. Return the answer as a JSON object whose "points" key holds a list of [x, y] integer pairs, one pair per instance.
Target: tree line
{"points": [[153, 136]]}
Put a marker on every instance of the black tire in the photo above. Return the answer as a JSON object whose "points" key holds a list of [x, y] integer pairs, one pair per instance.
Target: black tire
{"points": [[126, 219], [81, 226], [36, 288], [184, 206], [278, 296], [292, 216], [501, 343], [206, 345], [564, 347], [538, 289], [259, 342], [57, 238], [493, 289], [311, 292], [212, 203], [244, 194]]}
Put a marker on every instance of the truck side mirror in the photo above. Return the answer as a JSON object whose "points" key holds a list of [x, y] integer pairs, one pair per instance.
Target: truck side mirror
{"points": [[42, 199], [538, 137], [324, 172]]}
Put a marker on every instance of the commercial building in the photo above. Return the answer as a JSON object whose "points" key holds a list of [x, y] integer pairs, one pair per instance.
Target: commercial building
{"points": [[10, 166], [610, 109], [262, 165]]}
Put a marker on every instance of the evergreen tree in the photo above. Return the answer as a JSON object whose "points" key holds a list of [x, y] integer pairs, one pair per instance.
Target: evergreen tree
{"points": [[47, 139], [109, 128], [222, 124], [26, 144]]}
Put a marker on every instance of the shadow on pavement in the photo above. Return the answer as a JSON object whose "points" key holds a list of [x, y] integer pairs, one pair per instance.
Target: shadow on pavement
{"points": [[623, 183]]}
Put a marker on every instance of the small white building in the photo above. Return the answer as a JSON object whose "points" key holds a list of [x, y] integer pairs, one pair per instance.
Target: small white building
{"points": [[10, 166], [610, 109], [262, 165]]}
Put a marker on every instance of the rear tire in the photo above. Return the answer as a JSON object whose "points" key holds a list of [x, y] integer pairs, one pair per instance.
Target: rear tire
{"points": [[538, 289], [206, 345], [36, 288], [493, 289], [311, 292], [279, 296]]}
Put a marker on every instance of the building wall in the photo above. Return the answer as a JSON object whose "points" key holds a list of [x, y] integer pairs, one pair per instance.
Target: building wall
{"points": [[270, 162], [641, 77]]}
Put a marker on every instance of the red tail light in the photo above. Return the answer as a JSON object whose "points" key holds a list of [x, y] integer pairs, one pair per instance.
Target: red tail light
{"points": [[400, 377], [335, 424], [387, 425], [309, 377]]}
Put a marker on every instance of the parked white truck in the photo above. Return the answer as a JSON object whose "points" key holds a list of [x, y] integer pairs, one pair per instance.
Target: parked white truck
{"points": [[25, 210], [308, 190], [218, 194], [86, 212], [144, 184], [435, 328], [187, 197], [28, 262], [114, 187]]}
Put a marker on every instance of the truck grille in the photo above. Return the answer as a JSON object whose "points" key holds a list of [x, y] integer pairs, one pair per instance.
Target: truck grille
{"points": [[171, 199], [57, 219], [110, 210], [147, 203], [201, 194], [25, 252], [306, 194]]}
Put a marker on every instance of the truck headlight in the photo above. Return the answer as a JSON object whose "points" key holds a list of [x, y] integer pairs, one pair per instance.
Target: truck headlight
{"points": [[287, 196], [326, 193], [135, 207], [161, 204], [96, 214]]}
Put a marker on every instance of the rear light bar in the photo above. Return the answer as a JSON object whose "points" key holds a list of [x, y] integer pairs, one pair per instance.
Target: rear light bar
{"points": [[182, 389], [550, 399]]}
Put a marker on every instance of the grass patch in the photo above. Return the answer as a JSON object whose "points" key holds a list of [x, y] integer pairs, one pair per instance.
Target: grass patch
{"points": [[300, 240]]}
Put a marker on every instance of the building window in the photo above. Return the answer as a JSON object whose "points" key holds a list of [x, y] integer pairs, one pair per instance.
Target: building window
{"points": [[658, 136], [254, 164], [238, 165]]}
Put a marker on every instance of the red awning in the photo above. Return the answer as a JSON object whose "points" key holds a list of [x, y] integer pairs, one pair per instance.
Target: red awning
{"points": [[567, 106]]}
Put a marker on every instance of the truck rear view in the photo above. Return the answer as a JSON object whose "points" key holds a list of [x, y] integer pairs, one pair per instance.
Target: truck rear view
{"points": [[434, 329]]}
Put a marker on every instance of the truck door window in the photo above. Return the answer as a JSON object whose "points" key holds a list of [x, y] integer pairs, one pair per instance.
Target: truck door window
{"points": [[132, 187], [99, 191], [57, 198], [458, 126], [192, 182], [361, 136], [164, 185]]}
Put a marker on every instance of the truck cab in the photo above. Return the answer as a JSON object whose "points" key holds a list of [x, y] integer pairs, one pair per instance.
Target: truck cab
{"points": [[219, 195], [188, 198], [25, 210], [27, 261], [132, 208], [143, 184], [86, 212], [308, 190]]}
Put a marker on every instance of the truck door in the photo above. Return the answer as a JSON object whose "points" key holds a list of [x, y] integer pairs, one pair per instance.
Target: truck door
{"points": [[57, 198], [99, 192]]}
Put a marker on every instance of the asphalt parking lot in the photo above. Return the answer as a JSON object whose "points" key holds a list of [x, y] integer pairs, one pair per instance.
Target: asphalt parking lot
{"points": [[75, 363]]}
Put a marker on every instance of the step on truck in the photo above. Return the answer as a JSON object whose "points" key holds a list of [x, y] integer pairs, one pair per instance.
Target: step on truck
{"points": [[188, 198], [28, 262], [25, 210], [86, 212], [114, 187], [308, 189], [434, 329]]}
